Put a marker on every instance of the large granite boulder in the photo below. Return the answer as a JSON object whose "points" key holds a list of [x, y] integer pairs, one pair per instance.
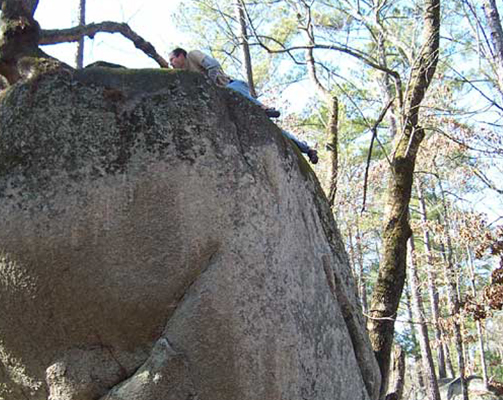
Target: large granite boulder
{"points": [[161, 240]]}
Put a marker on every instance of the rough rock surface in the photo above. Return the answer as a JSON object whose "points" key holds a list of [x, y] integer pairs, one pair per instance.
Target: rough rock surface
{"points": [[450, 389], [161, 240]]}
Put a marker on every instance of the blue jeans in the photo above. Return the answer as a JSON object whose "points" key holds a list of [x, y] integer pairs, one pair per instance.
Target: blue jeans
{"points": [[242, 87]]}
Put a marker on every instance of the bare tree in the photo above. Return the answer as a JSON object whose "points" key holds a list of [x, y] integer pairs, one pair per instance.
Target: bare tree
{"points": [[20, 55], [391, 278], [389, 286]]}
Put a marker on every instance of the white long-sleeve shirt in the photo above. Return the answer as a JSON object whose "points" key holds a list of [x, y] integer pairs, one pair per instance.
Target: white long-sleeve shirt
{"points": [[197, 61]]}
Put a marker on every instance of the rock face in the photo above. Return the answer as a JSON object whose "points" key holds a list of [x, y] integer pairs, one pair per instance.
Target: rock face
{"points": [[161, 240]]}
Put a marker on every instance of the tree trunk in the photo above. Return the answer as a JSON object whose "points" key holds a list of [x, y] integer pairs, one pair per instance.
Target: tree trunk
{"points": [[386, 84], [448, 358], [362, 284], [332, 105], [424, 342], [332, 146], [413, 337], [452, 297], [432, 289], [494, 22], [454, 310], [356, 254], [79, 59], [480, 334], [245, 47], [332, 126], [391, 278], [19, 36], [396, 391]]}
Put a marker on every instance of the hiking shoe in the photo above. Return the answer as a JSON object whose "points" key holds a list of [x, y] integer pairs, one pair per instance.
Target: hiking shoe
{"points": [[272, 113], [313, 156]]}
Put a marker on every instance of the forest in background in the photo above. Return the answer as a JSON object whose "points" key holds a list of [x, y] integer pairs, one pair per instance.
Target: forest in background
{"points": [[403, 100], [356, 63]]}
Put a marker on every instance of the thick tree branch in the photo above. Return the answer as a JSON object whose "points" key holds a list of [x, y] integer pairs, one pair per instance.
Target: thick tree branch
{"points": [[55, 36]]}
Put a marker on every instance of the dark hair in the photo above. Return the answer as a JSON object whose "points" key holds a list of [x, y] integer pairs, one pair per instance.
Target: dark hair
{"points": [[179, 51]]}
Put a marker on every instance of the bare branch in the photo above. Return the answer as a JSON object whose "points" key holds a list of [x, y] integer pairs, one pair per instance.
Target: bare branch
{"points": [[374, 137], [486, 181], [344, 49], [465, 144], [465, 80], [55, 36], [308, 29], [479, 27]]}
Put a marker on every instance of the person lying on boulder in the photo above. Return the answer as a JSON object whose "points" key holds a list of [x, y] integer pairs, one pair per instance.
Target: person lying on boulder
{"points": [[197, 61]]}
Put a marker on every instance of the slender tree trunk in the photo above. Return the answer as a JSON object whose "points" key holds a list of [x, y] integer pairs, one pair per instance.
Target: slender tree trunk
{"points": [[79, 59], [332, 146], [386, 83], [391, 278], [398, 381], [245, 47], [362, 284], [356, 258], [448, 358], [452, 297], [480, 334], [431, 275], [352, 252], [413, 338], [494, 22], [332, 105], [424, 342]]}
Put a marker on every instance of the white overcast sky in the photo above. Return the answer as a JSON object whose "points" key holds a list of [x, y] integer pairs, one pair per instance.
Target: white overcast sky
{"points": [[151, 19]]}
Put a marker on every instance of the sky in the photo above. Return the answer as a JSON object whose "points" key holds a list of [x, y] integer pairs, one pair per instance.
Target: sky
{"points": [[154, 21], [151, 19]]}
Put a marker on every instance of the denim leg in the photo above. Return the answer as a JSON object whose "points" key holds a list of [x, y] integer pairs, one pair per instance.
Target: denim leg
{"points": [[242, 87], [303, 147]]}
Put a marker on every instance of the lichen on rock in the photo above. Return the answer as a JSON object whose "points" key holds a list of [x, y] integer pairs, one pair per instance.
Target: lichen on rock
{"points": [[160, 241]]}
